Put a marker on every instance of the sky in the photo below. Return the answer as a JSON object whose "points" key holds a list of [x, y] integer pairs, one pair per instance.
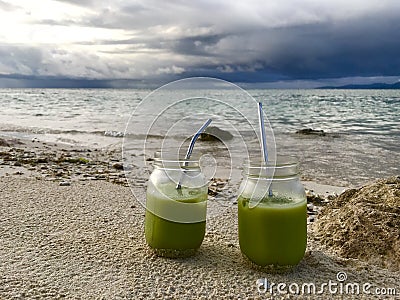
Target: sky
{"points": [[275, 43]]}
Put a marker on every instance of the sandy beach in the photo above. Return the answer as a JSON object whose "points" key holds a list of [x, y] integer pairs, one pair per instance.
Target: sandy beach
{"points": [[72, 229]]}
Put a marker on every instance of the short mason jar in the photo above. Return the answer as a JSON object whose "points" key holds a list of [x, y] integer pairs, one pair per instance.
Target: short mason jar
{"points": [[272, 214], [175, 218]]}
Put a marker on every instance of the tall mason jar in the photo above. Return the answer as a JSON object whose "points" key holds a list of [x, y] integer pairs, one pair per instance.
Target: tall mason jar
{"points": [[272, 214], [175, 218]]}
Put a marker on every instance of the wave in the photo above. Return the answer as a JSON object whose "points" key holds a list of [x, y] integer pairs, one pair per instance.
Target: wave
{"points": [[113, 133], [19, 130]]}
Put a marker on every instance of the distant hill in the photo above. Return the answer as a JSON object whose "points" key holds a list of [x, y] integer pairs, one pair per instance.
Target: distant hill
{"points": [[379, 86]]}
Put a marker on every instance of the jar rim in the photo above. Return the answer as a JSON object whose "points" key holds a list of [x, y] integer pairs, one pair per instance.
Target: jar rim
{"points": [[173, 160], [284, 166], [280, 161], [174, 156]]}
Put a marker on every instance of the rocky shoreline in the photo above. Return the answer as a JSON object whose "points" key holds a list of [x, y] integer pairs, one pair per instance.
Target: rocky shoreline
{"points": [[65, 164], [61, 163]]}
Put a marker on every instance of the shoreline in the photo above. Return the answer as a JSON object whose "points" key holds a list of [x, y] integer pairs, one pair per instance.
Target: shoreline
{"points": [[66, 164], [29, 158], [60, 162], [85, 239]]}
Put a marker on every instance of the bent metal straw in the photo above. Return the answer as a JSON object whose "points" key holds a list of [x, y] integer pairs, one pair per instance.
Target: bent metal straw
{"points": [[191, 146], [263, 139]]}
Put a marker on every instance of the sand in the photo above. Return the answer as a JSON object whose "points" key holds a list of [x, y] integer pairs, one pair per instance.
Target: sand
{"points": [[364, 223], [84, 239]]}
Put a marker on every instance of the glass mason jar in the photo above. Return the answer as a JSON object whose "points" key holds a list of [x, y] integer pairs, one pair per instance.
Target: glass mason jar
{"points": [[272, 214], [175, 218]]}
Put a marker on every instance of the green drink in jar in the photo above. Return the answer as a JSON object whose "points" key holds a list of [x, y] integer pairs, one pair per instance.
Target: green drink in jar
{"points": [[272, 214], [175, 219]]}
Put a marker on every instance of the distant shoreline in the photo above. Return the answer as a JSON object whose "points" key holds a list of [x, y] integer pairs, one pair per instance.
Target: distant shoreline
{"points": [[107, 85], [372, 86]]}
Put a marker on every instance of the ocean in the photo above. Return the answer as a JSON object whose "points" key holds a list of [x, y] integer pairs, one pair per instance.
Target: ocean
{"points": [[360, 139]]}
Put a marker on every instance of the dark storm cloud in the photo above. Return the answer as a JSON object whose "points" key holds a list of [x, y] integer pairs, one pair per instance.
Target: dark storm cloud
{"points": [[353, 48], [325, 50], [20, 81], [195, 45], [363, 45], [242, 42]]}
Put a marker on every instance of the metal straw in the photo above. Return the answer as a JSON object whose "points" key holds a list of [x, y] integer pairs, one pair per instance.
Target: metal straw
{"points": [[191, 146], [263, 139]]}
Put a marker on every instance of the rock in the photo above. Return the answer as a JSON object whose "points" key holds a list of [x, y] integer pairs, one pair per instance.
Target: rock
{"points": [[17, 164], [309, 131], [212, 192], [42, 160], [118, 166], [65, 183], [310, 193], [315, 198], [364, 224], [3, 143], [332, 196], [213, 133]]}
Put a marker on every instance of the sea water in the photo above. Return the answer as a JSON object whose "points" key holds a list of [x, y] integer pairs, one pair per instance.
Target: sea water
{"points": [[361, 141]]}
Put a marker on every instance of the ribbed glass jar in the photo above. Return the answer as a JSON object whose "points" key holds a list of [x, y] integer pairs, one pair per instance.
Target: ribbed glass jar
{"points": [[175, 218], [272, 212]]}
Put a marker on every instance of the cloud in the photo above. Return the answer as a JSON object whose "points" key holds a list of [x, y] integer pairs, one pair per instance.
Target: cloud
{"points": [[20, 60], [170, 70], [5, 6], [86, 3], [251, 41]]}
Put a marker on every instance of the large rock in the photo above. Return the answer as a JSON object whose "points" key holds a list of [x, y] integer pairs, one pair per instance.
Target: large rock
{"points": [[213, 133], [309, 131], [364, 224]]}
